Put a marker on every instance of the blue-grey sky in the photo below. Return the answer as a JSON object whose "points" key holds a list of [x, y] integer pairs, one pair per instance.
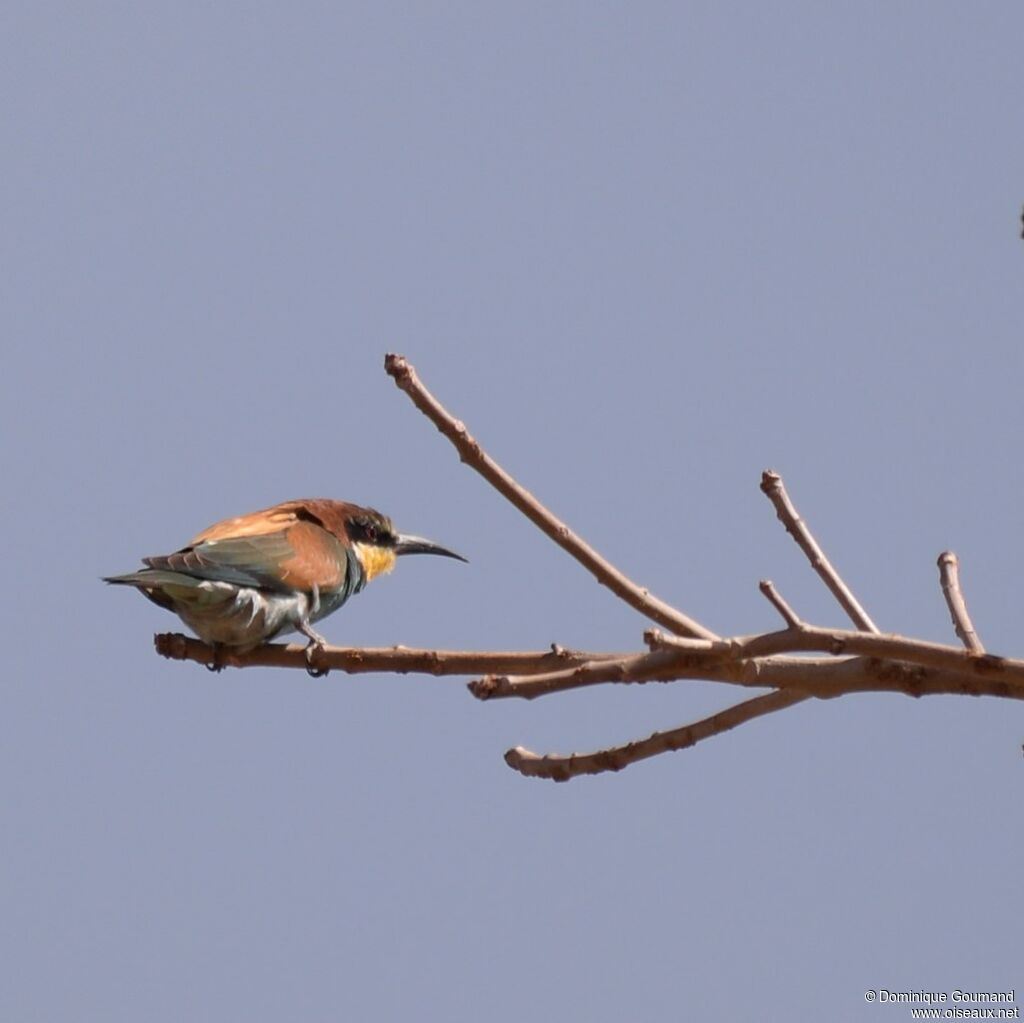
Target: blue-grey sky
{"points": [[644, 251]]}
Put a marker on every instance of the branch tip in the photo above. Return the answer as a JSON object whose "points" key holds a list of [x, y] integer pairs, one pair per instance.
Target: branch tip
{"points": [[488, 686], [171, 645], [396, 365]]}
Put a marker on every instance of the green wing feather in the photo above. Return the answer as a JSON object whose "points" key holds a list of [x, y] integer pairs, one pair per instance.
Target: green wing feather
{"points": [[244, 561]]}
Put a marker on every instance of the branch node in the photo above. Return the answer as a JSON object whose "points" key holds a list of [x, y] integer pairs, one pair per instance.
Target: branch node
{"points": [[488, 686], [654, 639]]}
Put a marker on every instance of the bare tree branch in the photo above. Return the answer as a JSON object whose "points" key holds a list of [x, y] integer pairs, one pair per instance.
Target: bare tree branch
{"points": [[471, 453], [631, 668], [857, 662], [949, 577], [358, 660], [562, 768], [703, 658], [774, 488], [839, 642], [851, 661]]}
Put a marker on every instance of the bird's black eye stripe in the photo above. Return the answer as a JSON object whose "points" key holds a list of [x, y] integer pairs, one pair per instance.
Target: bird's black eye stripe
{"points": [[369, 530]]}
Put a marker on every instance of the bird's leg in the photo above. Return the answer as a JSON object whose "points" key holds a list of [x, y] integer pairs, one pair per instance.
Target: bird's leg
{"points": [[217, 664], [314, 637], [313, 648]]}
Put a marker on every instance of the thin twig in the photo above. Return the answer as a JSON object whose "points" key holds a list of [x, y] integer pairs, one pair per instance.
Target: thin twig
{"points": [[399, 659], [949, 576], [562, 768], [773, 487], [767, 587], [474, 456]]}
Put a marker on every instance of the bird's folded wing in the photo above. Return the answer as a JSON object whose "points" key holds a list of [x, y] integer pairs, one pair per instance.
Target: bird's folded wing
{"points": [[299, 557]]}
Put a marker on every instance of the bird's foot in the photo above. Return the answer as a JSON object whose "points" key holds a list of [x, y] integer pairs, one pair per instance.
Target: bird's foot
{"points": [[314, 649], [218, 664]]}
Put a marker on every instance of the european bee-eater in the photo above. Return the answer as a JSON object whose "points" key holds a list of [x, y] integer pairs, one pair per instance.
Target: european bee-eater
{"points": [[246, 580]]}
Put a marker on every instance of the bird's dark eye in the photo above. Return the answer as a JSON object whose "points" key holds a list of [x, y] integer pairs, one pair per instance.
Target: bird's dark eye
{"points": [[371, 529], [364, 529]]}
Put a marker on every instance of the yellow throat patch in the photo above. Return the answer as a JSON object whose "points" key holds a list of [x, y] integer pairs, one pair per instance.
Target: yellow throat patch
{"points": [[375, 560]]}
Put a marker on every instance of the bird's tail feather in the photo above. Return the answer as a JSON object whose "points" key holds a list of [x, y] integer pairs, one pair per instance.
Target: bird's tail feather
{"points": [[164, 587]]}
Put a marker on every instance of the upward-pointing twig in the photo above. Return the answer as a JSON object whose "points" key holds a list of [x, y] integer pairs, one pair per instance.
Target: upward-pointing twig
{"points": [[949, 576], [471, 453], [772, 485], [767, 587]]}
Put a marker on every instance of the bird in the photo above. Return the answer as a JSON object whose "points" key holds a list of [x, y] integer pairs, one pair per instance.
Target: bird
{"points": [[245, 580]]}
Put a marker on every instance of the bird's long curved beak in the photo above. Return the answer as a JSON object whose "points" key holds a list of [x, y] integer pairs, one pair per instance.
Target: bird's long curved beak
{"points": [[405, 544]]}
